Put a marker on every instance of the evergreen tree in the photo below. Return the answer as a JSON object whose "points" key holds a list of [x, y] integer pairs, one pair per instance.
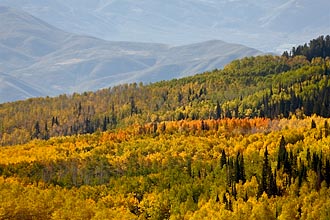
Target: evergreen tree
{"points": [[319, 47], [105, 123], [302, 174], [320, 176], [217, 198], [282, 154], [225, 201], [237, 172], [36, 132], [46, 132], [233, 190], [223, 159], [239, 168], [218, 111], [272, 185], [308, 157], [242, 169], [265, 174], [327, 172], [326, 128]]}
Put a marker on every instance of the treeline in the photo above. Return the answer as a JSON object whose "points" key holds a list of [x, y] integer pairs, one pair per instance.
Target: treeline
{"points": [[319, 47], [263, 169]]}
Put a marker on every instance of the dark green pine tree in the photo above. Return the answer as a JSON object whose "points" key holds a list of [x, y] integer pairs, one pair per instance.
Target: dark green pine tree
{"points": [[273, 191], [230, 205], [105, 123], [36, 132], [326, 128], [285, 54], [239, 168], [315, 162], [283, 159], [291, 165], [302, 174], [320, 176], [218, 111], [327, 172], [230, 172], [265, 174], [308, 158], [282, 153], [223, 159], [242, 169], [217, 198], [233, 190], [225, 201], [46, 133]]}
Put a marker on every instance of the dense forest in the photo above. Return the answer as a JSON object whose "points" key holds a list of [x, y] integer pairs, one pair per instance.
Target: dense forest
{"points": [[250, 141], [265, 86], [219, 169]]}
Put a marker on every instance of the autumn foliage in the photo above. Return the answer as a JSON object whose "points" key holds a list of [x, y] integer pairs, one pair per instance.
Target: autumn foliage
{"points": [[250, 141], [224, 169]]}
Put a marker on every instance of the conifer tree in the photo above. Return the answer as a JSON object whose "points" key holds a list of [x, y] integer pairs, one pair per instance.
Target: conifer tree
{"points": [[282, 154], [217, 198], [242, 169], [327, 172], [272, 185], [326, 128], [225, 201], [265, 175], [36, 131], [223, 159], [218, 111]]}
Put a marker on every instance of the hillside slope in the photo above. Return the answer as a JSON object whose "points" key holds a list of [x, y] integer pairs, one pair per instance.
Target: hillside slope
{"points": [[264, 86], [265, 25], [54, 62]]}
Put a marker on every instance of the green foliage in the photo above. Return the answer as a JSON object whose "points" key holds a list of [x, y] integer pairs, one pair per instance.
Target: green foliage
{"points": [[319, 47], [264, 86]]}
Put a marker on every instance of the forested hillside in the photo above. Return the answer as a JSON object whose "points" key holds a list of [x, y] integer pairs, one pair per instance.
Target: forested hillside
{"points": [[250, 141], [218, 169], [263, 86]]}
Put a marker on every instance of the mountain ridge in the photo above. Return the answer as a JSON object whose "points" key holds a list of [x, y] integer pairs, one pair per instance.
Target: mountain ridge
{"points": [[56, 62], [266, 25]]}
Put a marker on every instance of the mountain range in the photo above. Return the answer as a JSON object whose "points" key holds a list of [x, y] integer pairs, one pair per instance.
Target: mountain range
{"points": [[269, 26], [38, 59]]}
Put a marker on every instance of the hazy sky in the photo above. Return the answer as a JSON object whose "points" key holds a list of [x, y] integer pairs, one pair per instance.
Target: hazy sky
{"points": [[263, 24]]}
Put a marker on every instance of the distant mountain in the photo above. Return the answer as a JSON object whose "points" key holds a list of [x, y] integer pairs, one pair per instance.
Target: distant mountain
{"points": [[39, 59], [262, 24], [12, 88]]}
